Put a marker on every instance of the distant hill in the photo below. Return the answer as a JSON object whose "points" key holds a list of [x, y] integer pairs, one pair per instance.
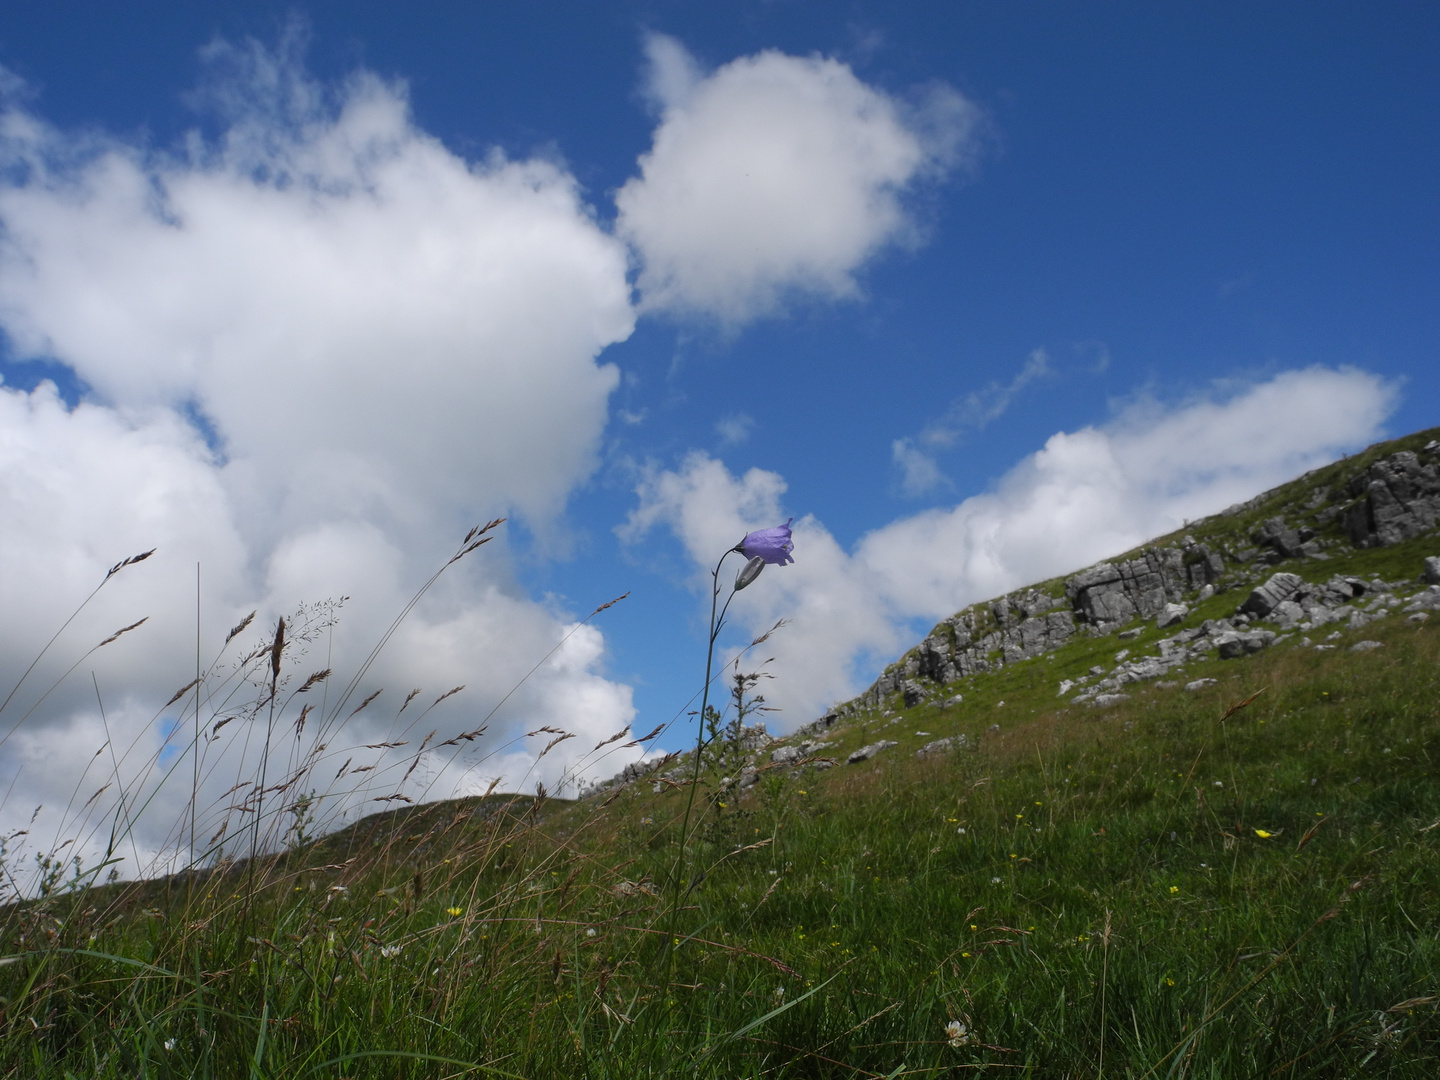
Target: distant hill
{"points": [[1343, 544], [1386, 497]]}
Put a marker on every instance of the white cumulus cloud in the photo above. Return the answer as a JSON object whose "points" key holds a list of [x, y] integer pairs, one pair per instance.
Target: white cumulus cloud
{"points": [[390, 343], [1086, 495], [775, 175]]}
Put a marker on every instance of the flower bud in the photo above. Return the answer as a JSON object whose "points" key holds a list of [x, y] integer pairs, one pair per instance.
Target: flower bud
{"points": [[750, 573]]}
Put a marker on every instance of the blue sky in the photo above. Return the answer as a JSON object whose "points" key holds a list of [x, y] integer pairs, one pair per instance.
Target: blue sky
{"points": [[1046, 280]]}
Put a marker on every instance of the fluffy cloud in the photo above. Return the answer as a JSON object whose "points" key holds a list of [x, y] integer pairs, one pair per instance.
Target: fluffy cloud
{"points": [[383, 343], [349, 303], [389, 343], [776, 174], [1085, 496]]}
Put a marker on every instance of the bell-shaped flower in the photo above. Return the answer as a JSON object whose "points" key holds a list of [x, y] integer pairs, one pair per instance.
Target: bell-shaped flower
{"points": [[750, 572], [772, 545]]}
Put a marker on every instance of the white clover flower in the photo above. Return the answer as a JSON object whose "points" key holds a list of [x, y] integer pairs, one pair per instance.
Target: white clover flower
{"points": [[389, 952], [957, 1034]]}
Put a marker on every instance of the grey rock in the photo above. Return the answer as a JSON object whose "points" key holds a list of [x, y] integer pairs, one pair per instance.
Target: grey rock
{"points": [[1127, 635], [749, 777], [1287, 543], [1418, 617], [1171, 615], [785, 755], [1235, 645], [826, 722], [1431, 576], [1287, 613], [865, 753], [1149, 668], [1397, 498], [1105, 700], [1207, 592], [951, 702], [754, 738], [1110, 593], [942, 746], [913, 693], [1428, 599], [1199, 684], [1267, 597], [1366, 646]]}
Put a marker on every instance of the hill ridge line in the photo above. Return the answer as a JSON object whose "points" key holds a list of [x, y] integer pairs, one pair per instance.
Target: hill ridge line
{"points": [[1387, 495]]}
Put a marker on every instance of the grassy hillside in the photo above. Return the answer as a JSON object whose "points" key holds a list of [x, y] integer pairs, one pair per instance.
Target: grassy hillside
{"points": [[1235, 880]]}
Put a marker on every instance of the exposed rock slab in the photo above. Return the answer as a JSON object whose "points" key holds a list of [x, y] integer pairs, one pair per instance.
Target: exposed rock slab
{"points": [[865, 753]]}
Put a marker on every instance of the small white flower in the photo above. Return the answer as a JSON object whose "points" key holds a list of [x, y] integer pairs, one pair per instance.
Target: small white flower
{"points": [[169, 1044], [389, 952], [961, 830], [958, 1034], [994, 881], [590, 932]]}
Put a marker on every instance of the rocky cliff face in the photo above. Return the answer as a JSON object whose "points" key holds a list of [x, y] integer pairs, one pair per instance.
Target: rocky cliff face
{"points": [[1398, 498], [1387, 495], [1395, 497]]}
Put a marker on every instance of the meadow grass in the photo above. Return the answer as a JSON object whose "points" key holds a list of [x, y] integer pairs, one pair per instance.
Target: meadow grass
{"points": [[1153, 889]]}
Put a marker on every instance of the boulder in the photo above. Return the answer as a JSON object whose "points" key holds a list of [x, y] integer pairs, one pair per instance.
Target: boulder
{"points": [[1267, 597], [1398, 498], [754, 738], [941, 746], [1109, 593], [1286, 542], [1366, 646], [1431, 576], [913, 693], [1234, 645], [1103, 700], [865, 753], [1171, 615], [1287, 613], [1429, 599]]}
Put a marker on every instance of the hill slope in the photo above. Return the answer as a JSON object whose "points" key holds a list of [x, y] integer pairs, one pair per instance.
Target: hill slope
{"points": [[1075, 832]]}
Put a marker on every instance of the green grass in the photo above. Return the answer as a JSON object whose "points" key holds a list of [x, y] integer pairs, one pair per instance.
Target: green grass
{"points": [[842, 919], [1168, 887]]}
